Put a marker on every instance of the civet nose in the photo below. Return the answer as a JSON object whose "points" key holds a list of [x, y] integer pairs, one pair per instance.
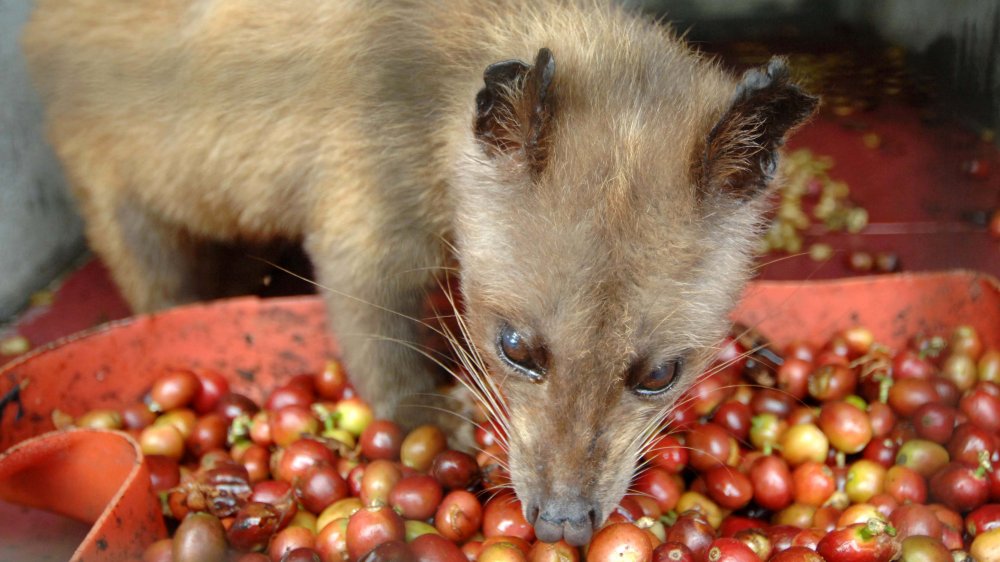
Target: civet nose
{"points": [[571, 519]]}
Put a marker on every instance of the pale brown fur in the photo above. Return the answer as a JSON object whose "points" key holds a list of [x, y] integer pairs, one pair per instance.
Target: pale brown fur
{"points": [[347, 125]]}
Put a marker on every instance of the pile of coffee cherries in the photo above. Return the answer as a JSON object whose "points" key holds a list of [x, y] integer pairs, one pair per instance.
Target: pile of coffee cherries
{"points": [[849, 452]]}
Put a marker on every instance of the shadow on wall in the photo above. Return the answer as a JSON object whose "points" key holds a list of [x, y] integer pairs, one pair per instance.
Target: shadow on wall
{"points": [[726, 20], [40, 233], [970, 64], [957, 42]]}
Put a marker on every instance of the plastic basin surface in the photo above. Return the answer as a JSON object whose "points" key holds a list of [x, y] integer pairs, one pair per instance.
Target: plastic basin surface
{"points": [[98, 476]]}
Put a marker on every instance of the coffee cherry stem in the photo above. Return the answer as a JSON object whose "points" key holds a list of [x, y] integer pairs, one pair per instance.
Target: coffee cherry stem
{"points": [[884, 384], [875, 527], [326, 416], [841, 459], [933, 347], [239, 429], [985, 466]]}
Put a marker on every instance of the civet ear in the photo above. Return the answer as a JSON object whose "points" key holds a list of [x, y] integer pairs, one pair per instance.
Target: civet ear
{"points": [[741, 151], [514, 109]]}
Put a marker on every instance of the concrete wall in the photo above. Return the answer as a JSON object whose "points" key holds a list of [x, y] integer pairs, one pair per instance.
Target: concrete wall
{"points": [[959, 40], [39, 232], [918, 23], [717, 9]]}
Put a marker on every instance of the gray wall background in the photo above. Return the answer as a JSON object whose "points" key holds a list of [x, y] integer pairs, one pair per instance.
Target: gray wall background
{"points": [[40, 234], [39, 231]]}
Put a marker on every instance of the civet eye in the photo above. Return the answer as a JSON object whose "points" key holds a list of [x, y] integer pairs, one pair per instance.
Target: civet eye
{"points": [[657, 379], [520, 354]]}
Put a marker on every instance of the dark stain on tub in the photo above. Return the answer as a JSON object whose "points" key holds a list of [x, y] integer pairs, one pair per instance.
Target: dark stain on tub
{"points": [[13, 396], [110, 396], [975, 290], [900, 327], [292, 358], [282, 315]]}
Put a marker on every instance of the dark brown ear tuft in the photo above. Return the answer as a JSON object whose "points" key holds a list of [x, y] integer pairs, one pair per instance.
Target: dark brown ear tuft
{"points": [[536, 91], [741, 151], [494, 112], [514, 109]]}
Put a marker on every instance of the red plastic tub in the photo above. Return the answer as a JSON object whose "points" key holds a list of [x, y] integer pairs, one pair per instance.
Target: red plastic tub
{"points": [[97, 477]]}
